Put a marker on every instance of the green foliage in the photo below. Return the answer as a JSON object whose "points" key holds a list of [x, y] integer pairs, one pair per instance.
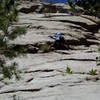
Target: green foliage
{"points": [[91, 6], [68, 70], [93, 72], [17, 32], [72, 5], [8, 14], [9, 71]]}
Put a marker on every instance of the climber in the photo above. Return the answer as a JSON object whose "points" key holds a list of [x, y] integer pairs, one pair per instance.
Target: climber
{"points": [[58, 40], [57, 36]]}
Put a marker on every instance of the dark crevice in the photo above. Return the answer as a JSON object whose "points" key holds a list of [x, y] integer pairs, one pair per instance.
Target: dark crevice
{"points": [[88, 28], [95, 78], [63, 44], [77, 27], [78, 81], [22, 90], [44, 8], [74, 59], [91, 36], [56, 16], [80, 73], [36, 27], [45, 70], [29, 48], [30, 90], [50, 76], [29, 80], [72, 85], [52, 86], [81, 41], [29, 10], [62, 52]]}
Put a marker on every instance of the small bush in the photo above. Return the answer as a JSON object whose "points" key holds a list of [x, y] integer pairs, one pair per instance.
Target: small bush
{"points": [[8, 16], [68, 70], [93, 72]]}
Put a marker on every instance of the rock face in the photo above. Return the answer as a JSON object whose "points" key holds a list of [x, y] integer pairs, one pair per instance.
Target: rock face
{"points": [[41, 8], [43, 69]]}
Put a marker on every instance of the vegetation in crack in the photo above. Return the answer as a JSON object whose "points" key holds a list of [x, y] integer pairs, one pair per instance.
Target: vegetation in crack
{"points": [[68, 70], [93, 72], [9, 15]]}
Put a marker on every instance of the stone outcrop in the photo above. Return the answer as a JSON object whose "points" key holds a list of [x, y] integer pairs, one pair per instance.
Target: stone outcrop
{"points": [[42, 8]]}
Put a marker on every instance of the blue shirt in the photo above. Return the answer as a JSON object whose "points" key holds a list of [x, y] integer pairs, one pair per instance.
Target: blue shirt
{"points": [[57, 36]]}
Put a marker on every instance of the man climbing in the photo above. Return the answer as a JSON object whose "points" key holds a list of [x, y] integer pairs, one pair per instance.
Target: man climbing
{"points": [[59, 41], [57, 36]]}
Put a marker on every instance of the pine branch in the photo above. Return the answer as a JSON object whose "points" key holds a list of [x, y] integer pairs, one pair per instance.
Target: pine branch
{"points": [[17, 32], [8, 14]]}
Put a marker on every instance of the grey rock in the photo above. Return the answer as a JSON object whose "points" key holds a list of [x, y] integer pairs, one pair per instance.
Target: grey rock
{"points": [[43, 74]]}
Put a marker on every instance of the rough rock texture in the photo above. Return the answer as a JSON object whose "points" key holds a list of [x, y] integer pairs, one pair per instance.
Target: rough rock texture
{"points": [[43, 74], [35, 7]]}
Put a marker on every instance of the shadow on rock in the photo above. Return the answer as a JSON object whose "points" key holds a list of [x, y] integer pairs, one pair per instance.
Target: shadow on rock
{"points": [[89, 28]]}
